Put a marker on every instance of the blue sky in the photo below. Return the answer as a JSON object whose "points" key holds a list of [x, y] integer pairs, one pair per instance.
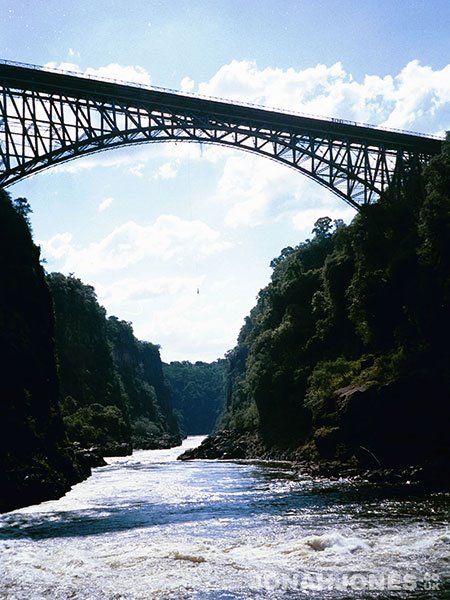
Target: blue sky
{"points": [[149, 225]]}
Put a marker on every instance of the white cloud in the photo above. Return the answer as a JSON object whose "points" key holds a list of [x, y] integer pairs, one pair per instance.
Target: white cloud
{"points": [[187, 84], [191, 325], [137, 169], [189, 316], [421, 98], [63, 66], [244, 185], [141, 290], [417, 97], [123, 73], [105, 204], [168, 170], [58, 246], [131, 159], [287, 89], [169, 237], [108, 159], [257, 191]]}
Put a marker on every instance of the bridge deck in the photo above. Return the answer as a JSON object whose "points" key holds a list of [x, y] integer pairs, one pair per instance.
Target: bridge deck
{"points": [[83, 87]]}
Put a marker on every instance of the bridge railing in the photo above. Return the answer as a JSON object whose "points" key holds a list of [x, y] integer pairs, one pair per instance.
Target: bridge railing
{"points": [[213, 98]]}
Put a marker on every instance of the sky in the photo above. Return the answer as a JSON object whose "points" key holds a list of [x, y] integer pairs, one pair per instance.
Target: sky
{"points": [[177, 238]]}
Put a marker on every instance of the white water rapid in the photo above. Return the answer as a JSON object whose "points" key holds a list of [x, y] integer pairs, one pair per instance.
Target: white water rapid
{"points": [[150, 527]]}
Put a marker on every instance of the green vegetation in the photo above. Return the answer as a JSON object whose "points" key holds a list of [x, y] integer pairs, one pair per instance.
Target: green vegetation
{"points": [[348, 344], [113, 393], [91, 389], [139, 365], [198, 393]]}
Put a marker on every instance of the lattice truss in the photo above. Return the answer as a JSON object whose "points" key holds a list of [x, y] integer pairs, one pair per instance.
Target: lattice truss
{"points": [[38, 130]]}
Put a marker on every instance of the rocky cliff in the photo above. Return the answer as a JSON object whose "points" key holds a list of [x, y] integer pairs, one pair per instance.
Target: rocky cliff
{"points": [[35, 461]]}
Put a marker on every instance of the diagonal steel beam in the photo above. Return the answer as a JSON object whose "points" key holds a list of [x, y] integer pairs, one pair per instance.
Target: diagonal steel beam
{"points": [[47, 118]]}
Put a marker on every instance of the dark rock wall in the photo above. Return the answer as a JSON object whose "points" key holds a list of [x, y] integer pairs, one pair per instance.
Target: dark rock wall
{"points": [[35, 462]]}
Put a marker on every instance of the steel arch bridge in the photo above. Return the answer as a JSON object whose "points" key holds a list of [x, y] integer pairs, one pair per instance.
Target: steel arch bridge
{"points": [[48, 117]]}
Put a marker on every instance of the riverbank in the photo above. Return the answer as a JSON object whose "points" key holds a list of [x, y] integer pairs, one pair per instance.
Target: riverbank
{"points": [[50, 476], [226, 445]]}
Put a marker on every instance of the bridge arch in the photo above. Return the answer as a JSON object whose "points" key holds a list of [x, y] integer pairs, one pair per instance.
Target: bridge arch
{"points": [[50, 117]]}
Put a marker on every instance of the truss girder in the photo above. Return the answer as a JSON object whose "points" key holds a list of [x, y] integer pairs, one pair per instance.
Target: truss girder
{"points": [[42, 124]]}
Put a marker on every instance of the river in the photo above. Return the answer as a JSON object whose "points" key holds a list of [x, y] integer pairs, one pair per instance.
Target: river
{"points": [[149, 527]]}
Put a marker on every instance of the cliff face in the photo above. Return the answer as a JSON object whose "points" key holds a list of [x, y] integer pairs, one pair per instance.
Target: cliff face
{"points": [[113, 393], [94, 403], [345, 357], [35, 462], [153, 423]]}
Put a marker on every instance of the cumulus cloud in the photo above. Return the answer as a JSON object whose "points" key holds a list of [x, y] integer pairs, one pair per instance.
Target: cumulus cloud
{"points": [[124, 73], [105, 204], [417, 97], [63, 66], [138, 290], [169, 237], [248, 186], [169, 310], [289, 89], [421, 98], [168, 170], [57, 247], [255, 191], [187, 84], [192, 325]]}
